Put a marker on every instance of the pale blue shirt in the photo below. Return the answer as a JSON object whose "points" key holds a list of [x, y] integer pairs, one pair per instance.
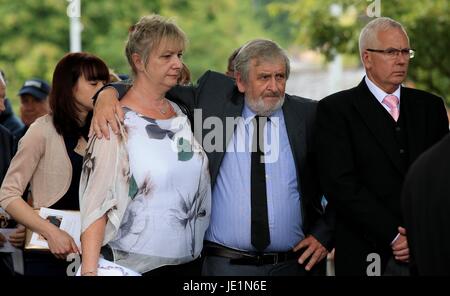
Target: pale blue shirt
{"points": [[380, 94], [230, 223]]}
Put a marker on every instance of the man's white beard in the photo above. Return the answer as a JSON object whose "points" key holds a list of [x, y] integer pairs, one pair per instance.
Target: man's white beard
{"points": [[260, 109]]}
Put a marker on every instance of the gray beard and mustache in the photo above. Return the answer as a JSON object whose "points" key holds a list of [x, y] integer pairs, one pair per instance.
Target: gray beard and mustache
{"points": [[259, 107]]}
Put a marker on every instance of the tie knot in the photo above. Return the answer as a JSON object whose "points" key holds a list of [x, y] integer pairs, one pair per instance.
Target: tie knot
{"points": [[259, 121], [391, 101]]}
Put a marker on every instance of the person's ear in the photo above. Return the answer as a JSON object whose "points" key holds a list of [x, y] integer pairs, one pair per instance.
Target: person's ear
{"points": [[241, 84], [366, 59], [138, 62]]}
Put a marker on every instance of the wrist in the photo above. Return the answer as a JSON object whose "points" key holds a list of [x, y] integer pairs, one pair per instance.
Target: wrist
{"points": [[105, 89], [89, 273], [49, 230]]}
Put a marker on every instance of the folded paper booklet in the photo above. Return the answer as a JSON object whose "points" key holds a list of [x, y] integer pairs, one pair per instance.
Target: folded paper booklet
{"points": [[108, 268], [69, 221]]}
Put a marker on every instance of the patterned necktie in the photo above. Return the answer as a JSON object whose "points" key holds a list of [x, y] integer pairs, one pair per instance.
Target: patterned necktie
{"points": [[260, 236], [392, 102]]}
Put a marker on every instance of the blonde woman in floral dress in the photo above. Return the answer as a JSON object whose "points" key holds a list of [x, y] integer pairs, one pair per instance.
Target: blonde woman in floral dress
{"points": [[145, 194]]}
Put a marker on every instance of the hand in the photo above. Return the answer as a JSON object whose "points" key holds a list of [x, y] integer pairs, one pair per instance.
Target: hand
{"points": [[400, 247], [105, 107], [2, 240], [61, 243], [17, 238], [314, 250]]}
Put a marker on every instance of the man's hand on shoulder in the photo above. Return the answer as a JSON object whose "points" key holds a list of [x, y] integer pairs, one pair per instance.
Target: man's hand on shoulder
{"points": [[106, 106]]}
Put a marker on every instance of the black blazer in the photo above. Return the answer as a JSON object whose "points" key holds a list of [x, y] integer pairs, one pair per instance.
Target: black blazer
{"points": [[217, 95], [361, 170], [426, 208]]}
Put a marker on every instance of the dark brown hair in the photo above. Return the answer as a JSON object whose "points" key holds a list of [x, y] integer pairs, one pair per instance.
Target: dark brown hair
{"points": [[62, 100], [185, 76]]}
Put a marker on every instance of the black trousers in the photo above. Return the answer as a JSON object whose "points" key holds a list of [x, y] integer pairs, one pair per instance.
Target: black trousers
{"points": [[221, 266], [6, 265], [189, 269], [43, 264]]}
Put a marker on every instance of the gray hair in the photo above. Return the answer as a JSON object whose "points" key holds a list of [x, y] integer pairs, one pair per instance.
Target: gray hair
{"points": [[260, 50], [148, 33], [369, 34]]}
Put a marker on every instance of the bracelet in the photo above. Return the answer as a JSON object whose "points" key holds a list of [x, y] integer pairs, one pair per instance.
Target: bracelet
{"points": [[89, 272]]}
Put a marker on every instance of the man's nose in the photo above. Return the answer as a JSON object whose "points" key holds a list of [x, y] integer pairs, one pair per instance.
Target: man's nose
{"points": [[402, 58], [272, 84]]}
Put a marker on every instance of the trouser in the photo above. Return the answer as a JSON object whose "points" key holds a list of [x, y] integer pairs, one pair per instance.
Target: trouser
{"points": [[223, 261], [396, 268], [43, 264]]}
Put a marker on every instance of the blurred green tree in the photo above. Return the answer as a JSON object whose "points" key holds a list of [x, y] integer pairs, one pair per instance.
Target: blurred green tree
{"points": [[35, 33], [333, 26]]}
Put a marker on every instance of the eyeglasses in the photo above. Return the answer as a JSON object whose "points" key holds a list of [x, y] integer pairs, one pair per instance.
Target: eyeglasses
{"points": [[394, 52]]}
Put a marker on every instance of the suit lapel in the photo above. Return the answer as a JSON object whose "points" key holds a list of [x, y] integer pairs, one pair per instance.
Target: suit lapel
{"points": [[415, 123], [371, 113], [232, 108], [295, 127], [294, 118]]}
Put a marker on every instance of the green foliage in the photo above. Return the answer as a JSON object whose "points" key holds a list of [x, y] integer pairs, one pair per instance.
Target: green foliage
{"points": [[35, 33], [333, 26], [215, 29], [33, 36]]}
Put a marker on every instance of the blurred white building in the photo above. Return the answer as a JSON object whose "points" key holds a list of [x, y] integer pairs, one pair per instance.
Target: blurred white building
{"points": [[310, 79]]}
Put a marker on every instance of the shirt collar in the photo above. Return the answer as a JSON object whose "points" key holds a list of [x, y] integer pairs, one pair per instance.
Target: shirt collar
{"points": [[378, 93]]}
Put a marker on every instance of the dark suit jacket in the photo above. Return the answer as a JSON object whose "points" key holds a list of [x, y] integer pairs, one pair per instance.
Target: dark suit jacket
{"points": [[217, 95], [7, 150], [361, 170], [426, 208]]}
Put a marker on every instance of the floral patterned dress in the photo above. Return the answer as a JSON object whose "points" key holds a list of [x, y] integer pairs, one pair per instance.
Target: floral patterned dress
{"points": [[169, 193]]}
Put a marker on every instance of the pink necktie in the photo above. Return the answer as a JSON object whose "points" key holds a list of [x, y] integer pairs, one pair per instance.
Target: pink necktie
{"points": [[392, 102]]}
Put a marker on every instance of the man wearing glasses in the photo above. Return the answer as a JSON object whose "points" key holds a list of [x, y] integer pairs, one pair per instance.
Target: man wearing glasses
{"points": [[367, 138]]}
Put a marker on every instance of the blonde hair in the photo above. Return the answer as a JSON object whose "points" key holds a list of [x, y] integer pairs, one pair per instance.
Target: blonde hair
{"points": [[147, 34]]}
